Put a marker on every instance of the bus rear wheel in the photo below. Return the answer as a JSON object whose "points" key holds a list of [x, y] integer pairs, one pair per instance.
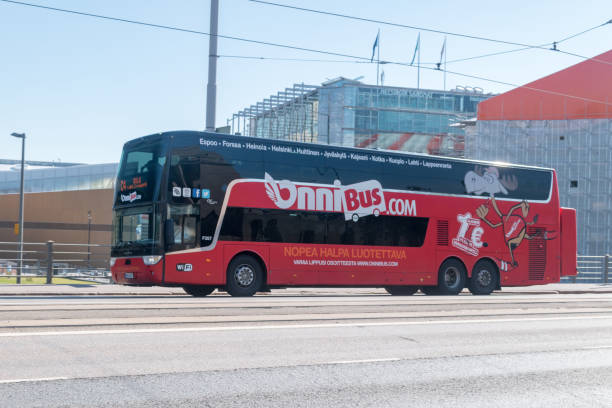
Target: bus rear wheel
{"points": [[401, 290], [198, 290], [244, 276], [451, 277], [485, 278]]}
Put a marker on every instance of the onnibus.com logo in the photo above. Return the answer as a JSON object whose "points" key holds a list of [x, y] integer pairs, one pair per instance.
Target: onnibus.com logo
{"points": [[354, 200], [133, 196]]}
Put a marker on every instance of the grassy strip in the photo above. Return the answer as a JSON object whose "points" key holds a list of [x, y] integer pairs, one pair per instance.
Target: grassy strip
{"points": [[41, 280]]}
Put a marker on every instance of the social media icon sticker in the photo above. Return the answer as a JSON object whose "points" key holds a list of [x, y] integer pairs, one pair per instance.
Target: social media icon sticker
{"points": [[176, 191], [186, 192], [205, 193], [195, 193]]}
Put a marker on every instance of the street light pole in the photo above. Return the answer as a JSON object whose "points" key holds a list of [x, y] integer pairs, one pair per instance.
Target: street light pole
{"points": [[88, 240], [22, 137]]}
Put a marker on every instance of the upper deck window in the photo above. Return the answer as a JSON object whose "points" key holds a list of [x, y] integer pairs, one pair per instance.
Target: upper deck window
{"points": [[140, 173]]}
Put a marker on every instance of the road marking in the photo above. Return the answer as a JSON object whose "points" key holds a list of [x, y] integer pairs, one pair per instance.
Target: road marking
{"points": [[21, 380], [373, 360], [597, 347], [296, 326]]}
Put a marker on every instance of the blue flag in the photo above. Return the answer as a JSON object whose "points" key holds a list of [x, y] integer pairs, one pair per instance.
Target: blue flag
{"points": [[443, 50], [374, 46], [416, 48]]}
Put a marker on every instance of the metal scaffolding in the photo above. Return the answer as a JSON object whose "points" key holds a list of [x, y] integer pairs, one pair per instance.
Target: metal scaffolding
{"points": [[291, 114]]}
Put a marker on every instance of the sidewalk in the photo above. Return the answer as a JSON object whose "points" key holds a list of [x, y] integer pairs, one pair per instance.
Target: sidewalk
{"points": [[119, 290]]}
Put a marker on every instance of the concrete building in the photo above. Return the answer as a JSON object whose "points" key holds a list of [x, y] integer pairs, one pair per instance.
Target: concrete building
{"points": [[349, 113], [562, 121], [64, 202]]}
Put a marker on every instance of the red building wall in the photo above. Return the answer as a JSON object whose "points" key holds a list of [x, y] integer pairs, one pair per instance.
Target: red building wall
{"points": [[582, 91]]}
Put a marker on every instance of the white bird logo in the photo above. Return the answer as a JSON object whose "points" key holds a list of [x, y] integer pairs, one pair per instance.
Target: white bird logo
{"points": [[273, 191]]}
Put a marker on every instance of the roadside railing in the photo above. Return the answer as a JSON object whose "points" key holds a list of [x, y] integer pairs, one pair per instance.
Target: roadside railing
{"points": [[51, 262], [591, 269]]}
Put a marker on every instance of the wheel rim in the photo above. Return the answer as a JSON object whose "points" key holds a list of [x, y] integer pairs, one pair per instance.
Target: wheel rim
{"points": [[451, 277], [484, 278], [244, 275]]}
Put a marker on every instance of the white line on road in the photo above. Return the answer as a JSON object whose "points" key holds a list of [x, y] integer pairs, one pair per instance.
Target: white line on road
{"points": [[289, 326], [596, 347], [21, 380], [372, 360]]}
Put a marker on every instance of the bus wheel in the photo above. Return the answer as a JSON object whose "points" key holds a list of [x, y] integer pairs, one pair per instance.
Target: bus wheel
{"points": [[451, 277], [198, 290], [401, 290], [244, 276], [484, 278]]}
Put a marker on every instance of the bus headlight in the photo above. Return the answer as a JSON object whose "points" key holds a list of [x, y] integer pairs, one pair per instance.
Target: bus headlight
{"points": [[151, 259], [112, 262]]}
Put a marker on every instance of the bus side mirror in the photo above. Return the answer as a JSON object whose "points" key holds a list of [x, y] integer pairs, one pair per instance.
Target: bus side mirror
{"points": [[168, 233]]}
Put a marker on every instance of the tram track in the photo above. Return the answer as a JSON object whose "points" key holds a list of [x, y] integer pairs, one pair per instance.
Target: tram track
{"points": [[295, 318]]}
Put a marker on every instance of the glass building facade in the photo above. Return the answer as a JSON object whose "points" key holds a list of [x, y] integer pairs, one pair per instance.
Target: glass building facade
{"points": [[66, 178], [348, 113]]}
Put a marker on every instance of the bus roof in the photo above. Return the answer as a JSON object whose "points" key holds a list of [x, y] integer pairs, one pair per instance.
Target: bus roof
{"points": [[165, 136]]}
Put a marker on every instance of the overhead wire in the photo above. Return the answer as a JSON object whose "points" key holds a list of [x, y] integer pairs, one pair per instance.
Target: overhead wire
{"points": [[253, 57], [174, 28], [359, 58], [426, 29], [388, 23], [583, 32]]}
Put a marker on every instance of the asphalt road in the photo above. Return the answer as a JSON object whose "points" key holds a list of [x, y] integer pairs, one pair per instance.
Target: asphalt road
{"points": [[363, 350]]}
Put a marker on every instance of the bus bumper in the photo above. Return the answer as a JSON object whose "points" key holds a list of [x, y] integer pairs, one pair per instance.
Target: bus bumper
{"points": [[134, 271]]}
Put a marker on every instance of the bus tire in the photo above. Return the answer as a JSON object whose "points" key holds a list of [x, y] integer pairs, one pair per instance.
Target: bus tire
{"points": [[401, 290], [451, 277], [485, 278], [198, 290], [244, 276]]}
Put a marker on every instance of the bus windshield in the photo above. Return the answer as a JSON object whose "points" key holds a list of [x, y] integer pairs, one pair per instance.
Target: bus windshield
{"points": [[135, 231], [139, 175]]}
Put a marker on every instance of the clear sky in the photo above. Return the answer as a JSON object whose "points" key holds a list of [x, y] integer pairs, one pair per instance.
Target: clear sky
{"points": [[80, 87]]}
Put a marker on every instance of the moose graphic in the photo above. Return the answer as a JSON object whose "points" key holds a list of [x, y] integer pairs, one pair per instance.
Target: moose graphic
{"points": [[514, 221], [486, 180], [514, 226]]}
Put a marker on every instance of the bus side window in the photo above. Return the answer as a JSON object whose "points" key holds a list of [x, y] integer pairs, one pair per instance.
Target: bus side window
{"points": [[185, 225], [189, 230]]}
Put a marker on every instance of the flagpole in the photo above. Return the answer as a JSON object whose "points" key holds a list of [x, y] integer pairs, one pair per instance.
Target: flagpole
{"points": [[378, 57], [445, 51], [419, 64]]}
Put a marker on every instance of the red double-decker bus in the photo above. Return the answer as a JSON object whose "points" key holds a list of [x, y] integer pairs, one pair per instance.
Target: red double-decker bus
{"points": [[205, 211]]}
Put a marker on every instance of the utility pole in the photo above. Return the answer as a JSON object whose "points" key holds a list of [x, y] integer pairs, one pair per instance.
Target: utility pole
{"points": [[21, 136], [211, 89]]}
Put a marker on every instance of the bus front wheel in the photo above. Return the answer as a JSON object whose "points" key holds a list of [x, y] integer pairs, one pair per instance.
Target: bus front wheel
{"points": [[484, 278], [198, 290], [401, 290], [451, 277], [244, 276]]}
